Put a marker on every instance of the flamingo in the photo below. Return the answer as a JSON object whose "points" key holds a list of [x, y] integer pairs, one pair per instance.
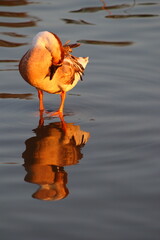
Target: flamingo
{"points": [[49, 66]]}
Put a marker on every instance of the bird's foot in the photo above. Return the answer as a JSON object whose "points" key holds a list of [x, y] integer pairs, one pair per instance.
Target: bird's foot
{"points": [[60, 115], [54, 114]]}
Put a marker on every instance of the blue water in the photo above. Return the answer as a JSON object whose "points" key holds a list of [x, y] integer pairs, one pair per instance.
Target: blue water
{"points": [[105, 168]]}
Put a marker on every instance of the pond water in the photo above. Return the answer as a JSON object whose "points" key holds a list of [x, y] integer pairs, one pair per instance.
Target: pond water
{"points": [[100, 178]]}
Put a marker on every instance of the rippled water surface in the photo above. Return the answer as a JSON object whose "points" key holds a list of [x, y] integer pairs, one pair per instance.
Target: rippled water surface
{"points": [[98, 175]]}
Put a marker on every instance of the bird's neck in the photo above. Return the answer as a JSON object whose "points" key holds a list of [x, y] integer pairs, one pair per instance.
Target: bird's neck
{"points": [[52, 43]]}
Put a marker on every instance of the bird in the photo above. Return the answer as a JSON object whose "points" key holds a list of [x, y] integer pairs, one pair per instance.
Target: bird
{"points": [[49, 66]]}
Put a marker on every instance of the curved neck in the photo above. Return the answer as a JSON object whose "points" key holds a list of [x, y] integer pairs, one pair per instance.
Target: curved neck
{"points": [[52, 43]]}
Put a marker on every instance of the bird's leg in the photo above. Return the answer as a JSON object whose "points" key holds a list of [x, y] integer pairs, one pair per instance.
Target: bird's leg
{"points": [[40, 96], [63, 97], [59, 112]]}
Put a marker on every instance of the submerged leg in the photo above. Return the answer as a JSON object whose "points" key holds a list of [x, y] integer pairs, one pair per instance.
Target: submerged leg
{"points": [[40, 96], [41, 119]]}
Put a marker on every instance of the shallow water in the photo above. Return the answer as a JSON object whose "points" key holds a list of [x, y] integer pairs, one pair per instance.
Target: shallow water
{"points": [[105, 168]]}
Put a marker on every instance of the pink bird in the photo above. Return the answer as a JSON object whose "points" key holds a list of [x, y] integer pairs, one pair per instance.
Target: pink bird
{"points": [[49, 66]]}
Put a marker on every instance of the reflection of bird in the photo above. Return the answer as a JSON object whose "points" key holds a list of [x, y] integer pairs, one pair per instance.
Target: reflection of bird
{"points": [[48, 153], [50, 67]]}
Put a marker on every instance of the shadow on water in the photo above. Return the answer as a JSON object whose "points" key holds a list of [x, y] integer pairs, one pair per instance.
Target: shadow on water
{"points": [[53, 147]]}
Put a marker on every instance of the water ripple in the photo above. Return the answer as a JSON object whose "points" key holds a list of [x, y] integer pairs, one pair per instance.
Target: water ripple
{"points": [[14, 3], [18, 24], [4, 43], [14, 14], [13, 34], [113, 43], [132, 16], [96, 9], [72, 21], [113, 7], [9, 60], [26, 96]]}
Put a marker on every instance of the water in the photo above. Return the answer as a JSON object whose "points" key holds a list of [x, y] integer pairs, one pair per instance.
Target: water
{"points": [[105, 167]]}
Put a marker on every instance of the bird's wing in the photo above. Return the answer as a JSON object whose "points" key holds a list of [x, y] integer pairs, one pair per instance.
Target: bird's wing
{"points": [[69, 68], [67, 73], [77, 66]]}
